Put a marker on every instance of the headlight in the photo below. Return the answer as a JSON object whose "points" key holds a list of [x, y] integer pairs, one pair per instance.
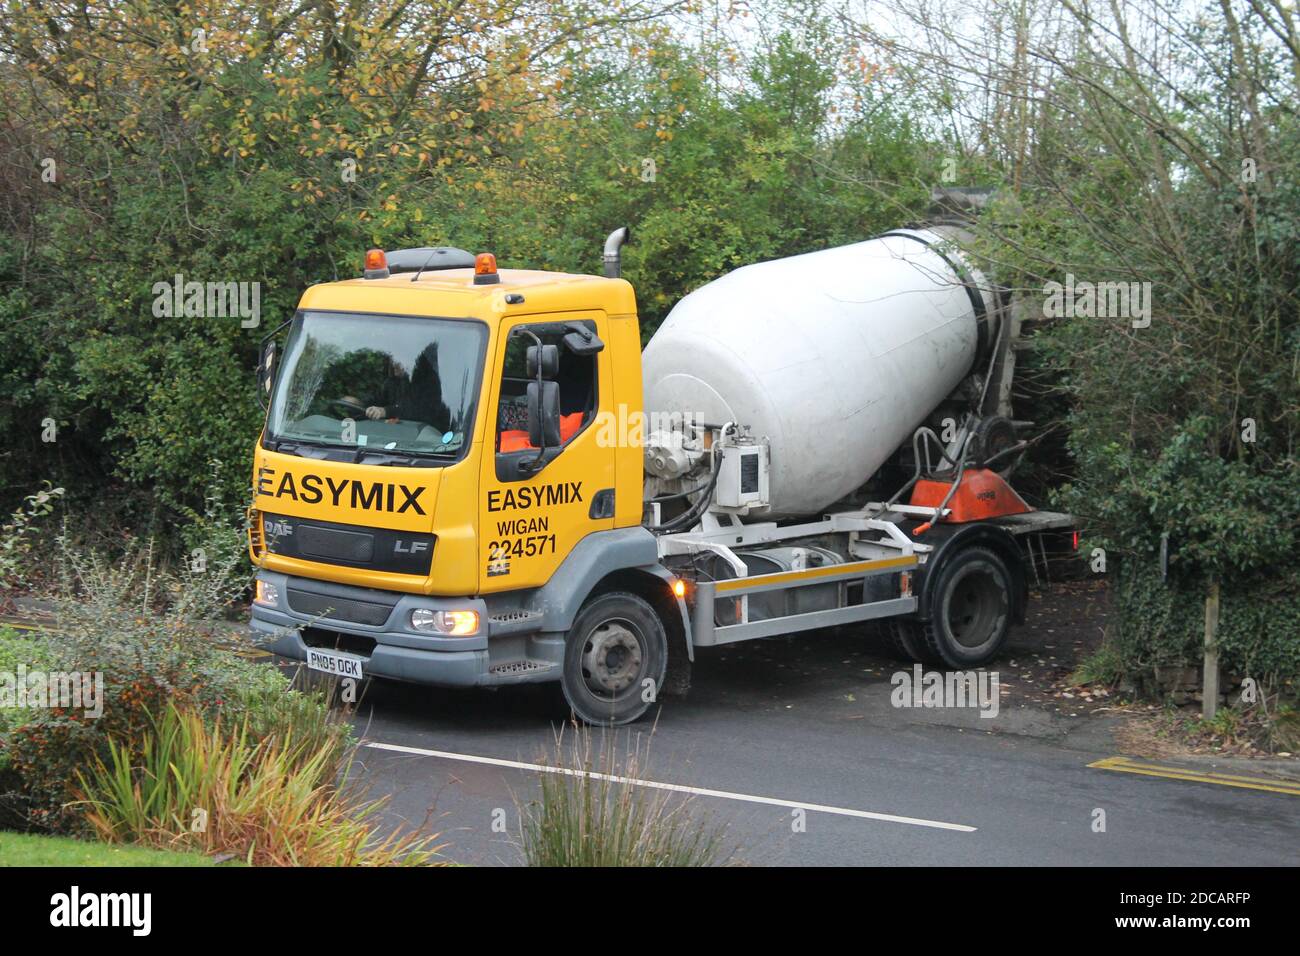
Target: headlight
{"points": [[455, 623], [264, 592]]}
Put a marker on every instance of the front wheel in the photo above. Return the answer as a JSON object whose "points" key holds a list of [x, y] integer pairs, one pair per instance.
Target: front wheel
{"points": [[614, 660]]}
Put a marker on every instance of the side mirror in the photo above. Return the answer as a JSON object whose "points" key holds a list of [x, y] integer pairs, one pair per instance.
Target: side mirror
{"points": [[266, 370], [547, 355], [544, 414], [580, 340]]}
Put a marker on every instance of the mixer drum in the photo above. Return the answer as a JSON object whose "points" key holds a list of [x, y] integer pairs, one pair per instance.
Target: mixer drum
{"points": [[834, 356]]}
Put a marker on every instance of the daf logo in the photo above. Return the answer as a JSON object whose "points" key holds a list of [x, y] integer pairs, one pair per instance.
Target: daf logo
{"points": [[415, 547], [279, 529]]}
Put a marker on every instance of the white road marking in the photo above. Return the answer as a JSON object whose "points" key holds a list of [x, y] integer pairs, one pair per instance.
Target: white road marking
{"points": [[674, 787]]}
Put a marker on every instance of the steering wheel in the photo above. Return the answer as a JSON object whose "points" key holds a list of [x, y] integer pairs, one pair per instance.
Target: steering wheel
{"points": [[351, 404]]}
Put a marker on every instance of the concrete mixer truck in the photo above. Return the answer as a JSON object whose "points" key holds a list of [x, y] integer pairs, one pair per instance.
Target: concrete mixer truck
{"points": [[474, 477]]}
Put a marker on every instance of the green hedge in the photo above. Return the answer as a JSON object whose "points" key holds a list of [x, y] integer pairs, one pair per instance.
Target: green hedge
{"points": [[1163, 622]]}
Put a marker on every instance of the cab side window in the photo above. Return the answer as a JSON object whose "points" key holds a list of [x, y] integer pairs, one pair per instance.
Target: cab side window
{"points": [[576, 378]]}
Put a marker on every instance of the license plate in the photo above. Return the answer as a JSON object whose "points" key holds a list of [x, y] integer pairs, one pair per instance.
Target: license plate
{"points": [[332, 662]]}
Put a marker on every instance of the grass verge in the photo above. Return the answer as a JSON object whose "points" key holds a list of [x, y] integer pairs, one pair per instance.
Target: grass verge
{"points": [[30, 849]]}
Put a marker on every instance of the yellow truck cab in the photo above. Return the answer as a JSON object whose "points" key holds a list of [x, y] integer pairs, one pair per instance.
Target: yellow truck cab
{"points": [[458, 483], [414, 519]]}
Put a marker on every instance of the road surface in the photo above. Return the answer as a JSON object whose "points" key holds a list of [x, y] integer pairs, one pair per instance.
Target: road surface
{"points": [[801, 730]]}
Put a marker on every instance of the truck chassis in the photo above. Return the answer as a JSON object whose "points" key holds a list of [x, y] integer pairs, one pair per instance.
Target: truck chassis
{"points": [[878, 552]]}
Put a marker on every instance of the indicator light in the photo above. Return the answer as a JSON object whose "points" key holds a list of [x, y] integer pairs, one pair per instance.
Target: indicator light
{"points": [[264, 592]]}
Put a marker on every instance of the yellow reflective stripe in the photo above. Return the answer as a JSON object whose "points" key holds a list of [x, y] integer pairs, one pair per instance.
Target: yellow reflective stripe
{"points": [[830, 570]]}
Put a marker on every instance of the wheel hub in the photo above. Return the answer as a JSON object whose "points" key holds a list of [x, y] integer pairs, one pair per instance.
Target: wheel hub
{"points": [[974, 608], [612, 658]]}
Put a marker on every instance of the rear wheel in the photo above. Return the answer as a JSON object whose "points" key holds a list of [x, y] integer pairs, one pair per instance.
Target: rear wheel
{"points": [[970, 610], [906, 642], [614, 659]]}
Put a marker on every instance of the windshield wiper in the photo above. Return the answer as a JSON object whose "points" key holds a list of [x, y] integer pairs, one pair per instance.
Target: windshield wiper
{"points": [[298, 448], [356, 453], [408, 460]]}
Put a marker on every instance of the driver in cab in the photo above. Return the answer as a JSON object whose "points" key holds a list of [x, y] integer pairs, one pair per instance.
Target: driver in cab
{"points": [[415, 397]]}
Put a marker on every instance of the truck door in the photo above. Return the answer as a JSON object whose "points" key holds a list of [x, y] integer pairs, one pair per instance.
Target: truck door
{"points": [[536, 506]]}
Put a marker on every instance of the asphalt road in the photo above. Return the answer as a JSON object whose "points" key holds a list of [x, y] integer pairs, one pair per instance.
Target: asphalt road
{"points": [[808, 722]]}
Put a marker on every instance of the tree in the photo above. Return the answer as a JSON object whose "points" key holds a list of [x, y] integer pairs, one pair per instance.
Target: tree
{"points": [[1156, 150]]}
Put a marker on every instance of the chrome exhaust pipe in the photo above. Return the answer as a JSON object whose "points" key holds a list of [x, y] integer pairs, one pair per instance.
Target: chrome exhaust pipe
{"points": [[614, 251]]}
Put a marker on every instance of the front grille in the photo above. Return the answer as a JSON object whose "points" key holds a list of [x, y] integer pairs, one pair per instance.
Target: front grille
{"points": [[339, 609], [334, 544], [378, 549]]}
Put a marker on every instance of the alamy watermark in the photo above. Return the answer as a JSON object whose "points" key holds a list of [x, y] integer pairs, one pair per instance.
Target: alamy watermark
{"points": [[631, 428], [1098, 300], [129, 910], [211, 300], [937, 689], [67, 690]]}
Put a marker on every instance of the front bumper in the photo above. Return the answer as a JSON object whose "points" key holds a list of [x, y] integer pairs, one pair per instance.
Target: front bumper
{"points": [[390, 647]]}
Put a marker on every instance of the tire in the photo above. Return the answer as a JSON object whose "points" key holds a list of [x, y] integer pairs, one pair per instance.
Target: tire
{"points": [[905, 641], [993, 435], [970, 610], [617, 644]]}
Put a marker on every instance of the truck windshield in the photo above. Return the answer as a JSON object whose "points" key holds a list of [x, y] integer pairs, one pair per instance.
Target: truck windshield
{"points": [[387, 383]]}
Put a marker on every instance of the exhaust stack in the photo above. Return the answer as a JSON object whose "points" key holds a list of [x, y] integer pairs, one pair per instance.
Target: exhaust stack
{"points": [[614, 251]]}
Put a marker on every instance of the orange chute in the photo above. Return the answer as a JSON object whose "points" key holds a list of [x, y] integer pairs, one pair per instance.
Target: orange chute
{"points": [[982, 494]]}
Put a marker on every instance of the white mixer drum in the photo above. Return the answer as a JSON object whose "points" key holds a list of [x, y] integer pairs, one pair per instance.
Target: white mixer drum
{"points": [[835, 356]]}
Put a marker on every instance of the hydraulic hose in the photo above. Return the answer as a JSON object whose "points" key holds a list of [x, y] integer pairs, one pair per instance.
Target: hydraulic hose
{"points": [[692, 514]]}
